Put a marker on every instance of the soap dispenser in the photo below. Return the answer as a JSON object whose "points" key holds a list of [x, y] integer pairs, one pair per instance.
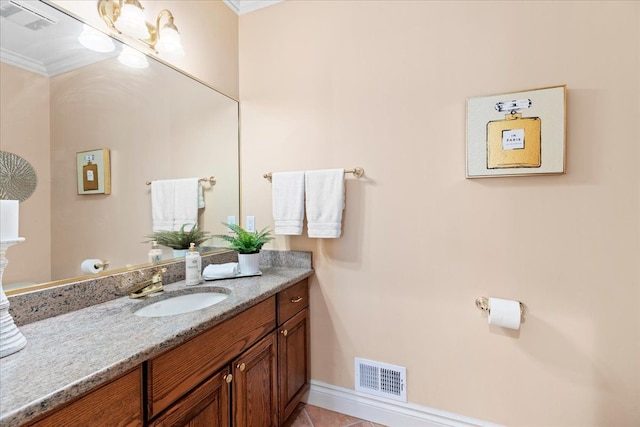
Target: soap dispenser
{"points": [[193, 266], [155, 253]]}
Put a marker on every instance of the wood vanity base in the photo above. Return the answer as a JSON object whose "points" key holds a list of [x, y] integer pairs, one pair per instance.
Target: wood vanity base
{"points": [[250, 370]]}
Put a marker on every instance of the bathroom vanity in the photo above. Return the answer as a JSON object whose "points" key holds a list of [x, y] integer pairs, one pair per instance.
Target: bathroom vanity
{"points": [[244, 361]]}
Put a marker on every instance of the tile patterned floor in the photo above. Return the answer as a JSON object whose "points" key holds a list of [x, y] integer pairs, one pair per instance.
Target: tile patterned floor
{"points": [[313, 416]]}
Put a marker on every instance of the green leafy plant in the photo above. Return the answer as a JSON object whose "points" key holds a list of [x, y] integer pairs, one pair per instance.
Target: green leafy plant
{"points": [[243, 241], [180, 239]]}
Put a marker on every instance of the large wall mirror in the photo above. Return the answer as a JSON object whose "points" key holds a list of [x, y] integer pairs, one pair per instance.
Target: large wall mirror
{"points": [[59, 99]]}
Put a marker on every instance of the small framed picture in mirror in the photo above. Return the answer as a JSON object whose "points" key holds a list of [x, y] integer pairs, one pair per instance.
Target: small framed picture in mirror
{"points": [[94, 172]]}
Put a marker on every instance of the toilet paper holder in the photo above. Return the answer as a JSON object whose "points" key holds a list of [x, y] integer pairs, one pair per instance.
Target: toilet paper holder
{"points": [[483, 304], [102, 264]]}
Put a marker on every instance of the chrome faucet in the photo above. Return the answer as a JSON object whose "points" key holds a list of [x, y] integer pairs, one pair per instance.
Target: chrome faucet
{"points": [[148, 286]]}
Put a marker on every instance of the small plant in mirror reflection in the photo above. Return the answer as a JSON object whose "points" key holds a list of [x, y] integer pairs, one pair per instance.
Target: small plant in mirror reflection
{"points": [[180, 239], [244, 241]]}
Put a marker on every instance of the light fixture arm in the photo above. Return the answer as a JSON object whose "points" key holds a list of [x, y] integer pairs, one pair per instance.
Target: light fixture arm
{"points": [[154, 32], [169, 15], [109, 11]]}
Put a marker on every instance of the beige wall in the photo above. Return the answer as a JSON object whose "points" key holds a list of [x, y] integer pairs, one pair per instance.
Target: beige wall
{"points": [[24, 130], [382, 84], [209, 32]]}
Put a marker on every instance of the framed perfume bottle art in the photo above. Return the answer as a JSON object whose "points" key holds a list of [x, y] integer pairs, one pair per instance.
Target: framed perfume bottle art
{"points": [[94, 172], [519, 133]]}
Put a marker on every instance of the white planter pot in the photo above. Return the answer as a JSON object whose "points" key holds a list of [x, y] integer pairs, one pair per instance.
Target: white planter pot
{"points": [[249, 263], [180, 253]]}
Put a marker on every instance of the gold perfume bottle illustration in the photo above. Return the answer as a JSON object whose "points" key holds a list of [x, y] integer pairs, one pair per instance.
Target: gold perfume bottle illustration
{"points": [[515, 141], [89, 174]]}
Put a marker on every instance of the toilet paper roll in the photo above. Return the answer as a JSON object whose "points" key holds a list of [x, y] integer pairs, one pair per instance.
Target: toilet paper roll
{"points": [[504, 312], [92, 266]]}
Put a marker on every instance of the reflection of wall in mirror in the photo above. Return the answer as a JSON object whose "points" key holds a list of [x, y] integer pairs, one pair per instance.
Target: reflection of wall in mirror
{"points": [[158, 124], [24, 130]]}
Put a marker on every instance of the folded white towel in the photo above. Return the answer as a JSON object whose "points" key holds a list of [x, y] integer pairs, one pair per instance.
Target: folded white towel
{"points": [[174, 203], [220, 271], [325, 202], [287, 189]]}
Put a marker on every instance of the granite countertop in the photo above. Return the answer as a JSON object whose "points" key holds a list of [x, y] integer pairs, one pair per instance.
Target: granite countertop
{"points": [[72, 353]]}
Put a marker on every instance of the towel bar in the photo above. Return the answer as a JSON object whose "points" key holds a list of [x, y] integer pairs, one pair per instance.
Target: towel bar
{"points": [[211, 180], [358, 172]]}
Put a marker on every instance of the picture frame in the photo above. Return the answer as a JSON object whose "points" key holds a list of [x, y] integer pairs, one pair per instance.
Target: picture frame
{"points": [[517, 133], [94, 172]]}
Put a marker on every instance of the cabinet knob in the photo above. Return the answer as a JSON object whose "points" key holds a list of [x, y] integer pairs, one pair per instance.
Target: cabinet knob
{"points": [[241, 366], [284, 332], [228, 378], [295, 300]]}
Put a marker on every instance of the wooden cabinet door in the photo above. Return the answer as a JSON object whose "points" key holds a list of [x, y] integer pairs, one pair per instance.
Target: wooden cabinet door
{"points": [[118, 403], [254, 386], [293, 362], [205, 406]]}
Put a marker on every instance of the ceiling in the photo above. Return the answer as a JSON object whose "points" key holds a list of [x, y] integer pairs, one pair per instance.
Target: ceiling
{"points": [[38, 38]]}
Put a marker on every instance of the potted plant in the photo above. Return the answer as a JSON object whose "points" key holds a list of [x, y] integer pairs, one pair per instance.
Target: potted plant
{"points": [[180, 240], [248, 245]]}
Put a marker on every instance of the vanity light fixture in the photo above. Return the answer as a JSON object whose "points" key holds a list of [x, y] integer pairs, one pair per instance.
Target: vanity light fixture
{"points": [[126, 17], [168, 38]]}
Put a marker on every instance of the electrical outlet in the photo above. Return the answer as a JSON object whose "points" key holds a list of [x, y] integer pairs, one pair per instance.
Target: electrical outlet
{"points": [[250, 224], [231, 220]]}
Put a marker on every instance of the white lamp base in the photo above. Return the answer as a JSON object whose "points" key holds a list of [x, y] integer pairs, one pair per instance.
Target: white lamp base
{"points": [[11, 339]]}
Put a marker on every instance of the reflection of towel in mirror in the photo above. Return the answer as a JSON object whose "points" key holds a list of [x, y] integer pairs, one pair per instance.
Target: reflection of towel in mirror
{"points": [[287, 193], [200, 196], [325, 202], [174, 203], [220, 271]]}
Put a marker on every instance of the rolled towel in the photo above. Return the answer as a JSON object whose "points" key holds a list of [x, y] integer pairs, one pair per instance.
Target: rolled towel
{"points": [[220, 271]]}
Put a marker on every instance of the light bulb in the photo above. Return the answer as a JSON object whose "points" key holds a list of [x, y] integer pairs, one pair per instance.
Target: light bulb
{"points": [[131, 21], [95, 40], [132, 58], [169, 42]]}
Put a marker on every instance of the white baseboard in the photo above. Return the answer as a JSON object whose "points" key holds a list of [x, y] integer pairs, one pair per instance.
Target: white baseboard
{"points": [[385, 411]]}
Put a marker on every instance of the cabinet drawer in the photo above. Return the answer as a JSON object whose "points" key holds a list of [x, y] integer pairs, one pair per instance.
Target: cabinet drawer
{"points": [[118, 403], [292, 300], [174, 373]]}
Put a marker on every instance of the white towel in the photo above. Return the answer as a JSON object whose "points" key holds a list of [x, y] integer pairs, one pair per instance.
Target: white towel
{"points": [[287, 189], [325, 202], [220, 271], [174, 203], [200, 196]]}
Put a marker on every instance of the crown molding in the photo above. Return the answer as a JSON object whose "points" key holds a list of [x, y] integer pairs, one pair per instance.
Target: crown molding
{"points": [[241, 7], [21, 61]]}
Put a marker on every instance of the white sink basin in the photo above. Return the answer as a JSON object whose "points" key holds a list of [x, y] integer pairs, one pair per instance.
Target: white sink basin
{"points": [[181, 304]]}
